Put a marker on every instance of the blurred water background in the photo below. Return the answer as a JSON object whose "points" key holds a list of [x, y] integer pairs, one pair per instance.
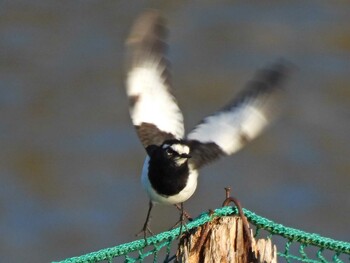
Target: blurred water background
{"points": [[70, 160]]}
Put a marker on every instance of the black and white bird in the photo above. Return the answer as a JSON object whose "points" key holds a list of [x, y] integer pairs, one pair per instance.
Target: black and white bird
{"points": [[170, 171]]}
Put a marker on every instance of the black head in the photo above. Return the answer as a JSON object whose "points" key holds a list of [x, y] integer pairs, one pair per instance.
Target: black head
{"points": [[171, 151]]}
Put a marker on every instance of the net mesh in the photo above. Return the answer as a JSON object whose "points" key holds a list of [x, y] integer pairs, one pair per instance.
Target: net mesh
{"points": [[293, 245]]}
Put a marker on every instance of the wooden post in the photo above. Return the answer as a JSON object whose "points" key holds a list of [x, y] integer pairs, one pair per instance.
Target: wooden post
{"points": [[224, 240]]}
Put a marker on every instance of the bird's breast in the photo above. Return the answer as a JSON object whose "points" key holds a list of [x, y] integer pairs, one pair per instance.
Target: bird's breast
{"points": [[168, 185]]}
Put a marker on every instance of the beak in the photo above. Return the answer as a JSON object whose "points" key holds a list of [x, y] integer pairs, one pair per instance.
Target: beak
{"points": [[184, 155]]}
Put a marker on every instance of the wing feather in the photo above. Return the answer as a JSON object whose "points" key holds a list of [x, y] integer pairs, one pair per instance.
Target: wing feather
{"points": [[153, 109], [242, 120]]}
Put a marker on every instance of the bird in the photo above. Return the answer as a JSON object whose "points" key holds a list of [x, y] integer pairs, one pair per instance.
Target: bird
{"points": [[170, 171]]}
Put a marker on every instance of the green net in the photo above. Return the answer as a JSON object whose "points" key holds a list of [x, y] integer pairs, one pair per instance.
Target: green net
{"points": [[293, 245]]}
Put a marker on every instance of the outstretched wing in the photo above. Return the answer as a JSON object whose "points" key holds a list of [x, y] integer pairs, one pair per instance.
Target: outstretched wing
{"points": [[243, 119], [153, 109]]}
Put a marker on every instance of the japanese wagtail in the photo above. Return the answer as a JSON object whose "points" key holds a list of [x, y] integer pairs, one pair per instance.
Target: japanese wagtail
{"points": [[170, 171]]}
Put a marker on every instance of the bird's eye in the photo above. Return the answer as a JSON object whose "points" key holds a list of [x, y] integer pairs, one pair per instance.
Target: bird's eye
{"points": [[169, 152]]}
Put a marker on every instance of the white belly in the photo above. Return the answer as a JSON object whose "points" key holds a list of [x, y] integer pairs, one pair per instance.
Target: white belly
{"points": [[185, 194]]}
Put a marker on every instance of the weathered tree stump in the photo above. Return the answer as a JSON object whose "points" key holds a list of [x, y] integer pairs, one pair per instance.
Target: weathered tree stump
{"points": [[224, 240]]}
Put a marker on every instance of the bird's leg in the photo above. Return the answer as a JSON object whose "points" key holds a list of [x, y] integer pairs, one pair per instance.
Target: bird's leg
{"points": [[182, 219], [146, 228], [187, 215], [183, 215]]}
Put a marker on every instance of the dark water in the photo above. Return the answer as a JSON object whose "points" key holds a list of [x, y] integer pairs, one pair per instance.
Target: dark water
{"points": [[70, 160]]}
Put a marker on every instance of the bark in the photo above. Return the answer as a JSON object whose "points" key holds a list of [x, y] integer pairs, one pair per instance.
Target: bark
{"points": [[224, 240]]}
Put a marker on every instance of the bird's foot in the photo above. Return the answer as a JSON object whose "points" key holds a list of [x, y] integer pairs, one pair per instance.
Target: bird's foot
{"points": [[145, 231], [184, 215], [183, 227]]}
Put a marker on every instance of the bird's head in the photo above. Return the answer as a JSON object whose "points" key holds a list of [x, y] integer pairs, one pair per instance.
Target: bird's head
{"points": [[176, 152]]}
